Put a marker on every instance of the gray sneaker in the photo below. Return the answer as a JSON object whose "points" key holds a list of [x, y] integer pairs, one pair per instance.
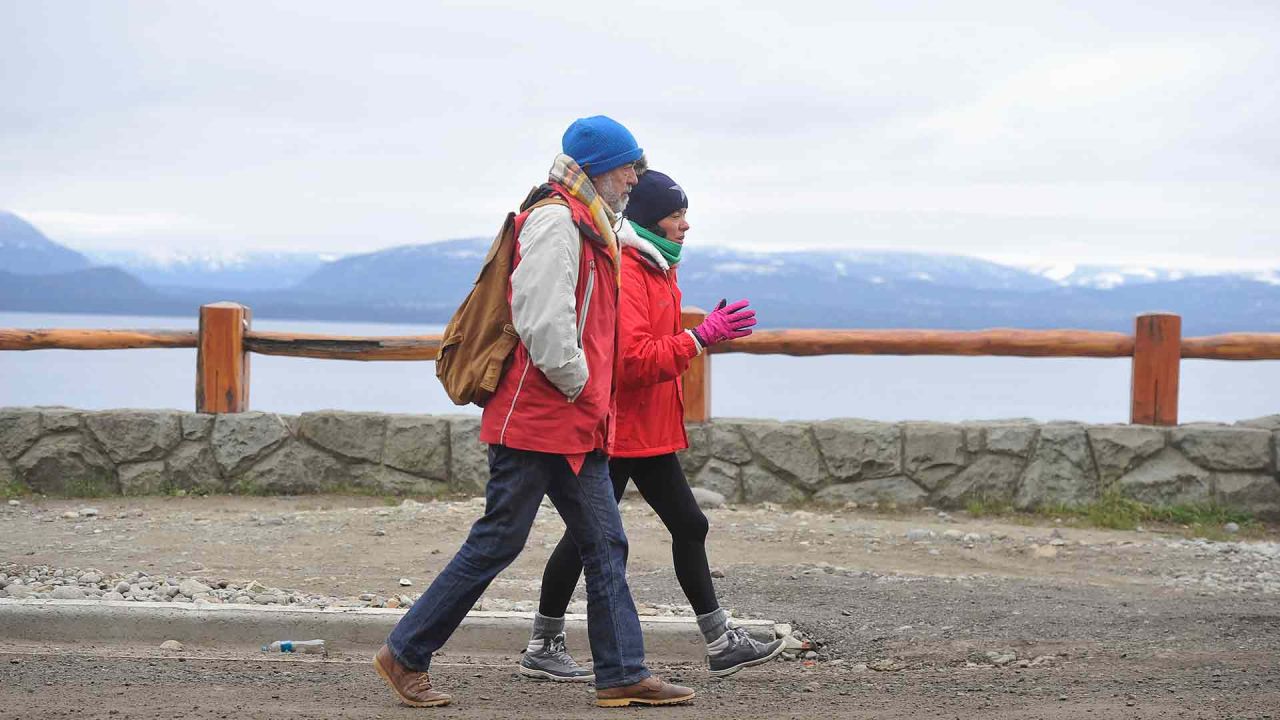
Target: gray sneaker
{"points": [[551, 661], [736, 649]]}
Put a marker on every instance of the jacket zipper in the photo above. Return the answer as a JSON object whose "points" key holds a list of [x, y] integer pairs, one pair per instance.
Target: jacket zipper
{"points": [[586, 301], [502, 436]]}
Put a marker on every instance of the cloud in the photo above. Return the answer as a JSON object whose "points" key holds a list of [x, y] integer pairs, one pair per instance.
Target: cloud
{"points": [[1098, 128], [119, 225]]}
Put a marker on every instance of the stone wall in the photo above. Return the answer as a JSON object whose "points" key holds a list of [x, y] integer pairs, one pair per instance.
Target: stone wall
{"points": [[1019, 463], [59, 451]]}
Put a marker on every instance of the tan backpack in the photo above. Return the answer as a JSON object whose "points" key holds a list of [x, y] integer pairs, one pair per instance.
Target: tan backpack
{"points": [[480, 337]]}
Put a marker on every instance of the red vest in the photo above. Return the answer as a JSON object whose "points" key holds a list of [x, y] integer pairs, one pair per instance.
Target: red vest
{"points": [[527, 412]]}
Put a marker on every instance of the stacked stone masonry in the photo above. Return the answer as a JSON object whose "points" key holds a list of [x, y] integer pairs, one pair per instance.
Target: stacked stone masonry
{"points": [[61, 451]]}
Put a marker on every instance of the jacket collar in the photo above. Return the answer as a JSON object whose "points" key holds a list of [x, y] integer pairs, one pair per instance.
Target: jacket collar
{"points": [[628, 237]]}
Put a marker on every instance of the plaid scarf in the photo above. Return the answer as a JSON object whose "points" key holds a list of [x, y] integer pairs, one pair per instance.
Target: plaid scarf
{"points": [[566, 173]]}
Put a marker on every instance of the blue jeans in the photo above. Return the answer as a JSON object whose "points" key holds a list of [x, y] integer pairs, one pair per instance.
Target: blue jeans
{"points": [[518, 480]]}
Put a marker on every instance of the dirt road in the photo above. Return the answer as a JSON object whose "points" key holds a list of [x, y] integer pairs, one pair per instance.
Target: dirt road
{"points": [[148, 683], [915, 615]]}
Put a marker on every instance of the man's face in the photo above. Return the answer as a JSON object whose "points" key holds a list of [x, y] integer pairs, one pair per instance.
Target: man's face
{"points": [[615, 186]]}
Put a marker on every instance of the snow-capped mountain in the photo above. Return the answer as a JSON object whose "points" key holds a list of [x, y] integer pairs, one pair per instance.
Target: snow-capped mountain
{"points": [[816, 288], [1106, 277], [222, 270]]}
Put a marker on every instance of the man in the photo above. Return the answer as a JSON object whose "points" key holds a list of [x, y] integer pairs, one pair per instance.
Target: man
{"points": [[548, 426]]}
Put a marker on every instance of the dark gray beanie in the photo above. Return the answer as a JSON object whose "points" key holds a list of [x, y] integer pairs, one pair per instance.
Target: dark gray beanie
{"points": [[653, 198]]}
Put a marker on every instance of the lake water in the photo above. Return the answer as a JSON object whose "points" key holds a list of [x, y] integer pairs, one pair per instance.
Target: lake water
{"points": [[772, 386]]}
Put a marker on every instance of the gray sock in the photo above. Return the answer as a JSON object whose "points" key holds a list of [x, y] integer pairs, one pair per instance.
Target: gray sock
{"points": [[713, 624], [544, 628]]}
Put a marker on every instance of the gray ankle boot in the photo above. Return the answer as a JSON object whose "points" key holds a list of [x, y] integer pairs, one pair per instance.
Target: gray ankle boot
{"points": [[546, 657], [729, 648]]}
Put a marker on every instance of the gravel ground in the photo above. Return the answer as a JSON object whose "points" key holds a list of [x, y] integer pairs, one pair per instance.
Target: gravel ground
{"points": [[913, 615], [38, 682]]}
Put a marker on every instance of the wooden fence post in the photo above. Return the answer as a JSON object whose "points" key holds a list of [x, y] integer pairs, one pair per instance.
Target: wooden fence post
{"points": [[1157, 352], [697, 379], [222, 362]]}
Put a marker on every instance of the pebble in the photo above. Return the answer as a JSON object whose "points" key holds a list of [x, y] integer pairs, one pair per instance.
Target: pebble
{"points": [[89, 512], [19, 592], [379, 532], [71, 515], [717, 573], [171, 645], [999, 658], [67, 592], [191, 588], [916, 534], [405, 582], [1044, 551], [1231, 528], [14, 503]]}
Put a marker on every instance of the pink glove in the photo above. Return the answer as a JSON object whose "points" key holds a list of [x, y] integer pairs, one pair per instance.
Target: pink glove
{"points": [[726, 323]]}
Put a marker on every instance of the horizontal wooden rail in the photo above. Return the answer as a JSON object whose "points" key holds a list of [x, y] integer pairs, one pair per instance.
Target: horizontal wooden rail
{"points": [[337, 347], [68, 339], [1021, 343], [1025, 343], [1233, 346]]}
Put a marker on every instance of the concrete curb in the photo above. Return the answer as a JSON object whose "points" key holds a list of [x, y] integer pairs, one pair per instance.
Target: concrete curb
{"points": [[670, 639]]}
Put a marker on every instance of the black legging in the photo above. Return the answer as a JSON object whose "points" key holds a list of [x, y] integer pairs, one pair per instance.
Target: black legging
{"points": [[662, 484]]}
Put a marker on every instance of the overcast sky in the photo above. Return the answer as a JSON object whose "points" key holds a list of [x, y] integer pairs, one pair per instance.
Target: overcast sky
{"points": [[1111, 132]]}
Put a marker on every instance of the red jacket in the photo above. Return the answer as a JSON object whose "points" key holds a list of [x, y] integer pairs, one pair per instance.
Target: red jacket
{"points": [[528, 412], [655, 352]]}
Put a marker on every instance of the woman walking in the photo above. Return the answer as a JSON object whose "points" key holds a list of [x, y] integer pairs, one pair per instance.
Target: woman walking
{"points": [[654, 351]]}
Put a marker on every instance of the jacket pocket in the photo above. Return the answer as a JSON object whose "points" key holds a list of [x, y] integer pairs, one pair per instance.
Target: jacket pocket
{"points": [[586, 301]]}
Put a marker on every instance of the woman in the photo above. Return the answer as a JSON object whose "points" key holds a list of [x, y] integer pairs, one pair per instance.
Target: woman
{"points": [[650, 429]]}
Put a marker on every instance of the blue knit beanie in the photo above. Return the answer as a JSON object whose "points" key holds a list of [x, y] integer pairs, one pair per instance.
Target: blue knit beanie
{"points": [[599, 144], [653, 198]]}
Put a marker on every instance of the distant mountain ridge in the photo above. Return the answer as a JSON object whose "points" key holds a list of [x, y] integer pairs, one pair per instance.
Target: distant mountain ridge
{"points": [[24, 249], [238, 271], [423, 283]]}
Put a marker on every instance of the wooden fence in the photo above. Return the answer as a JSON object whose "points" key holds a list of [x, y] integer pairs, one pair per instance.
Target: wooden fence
{"points": [[225, 340]]}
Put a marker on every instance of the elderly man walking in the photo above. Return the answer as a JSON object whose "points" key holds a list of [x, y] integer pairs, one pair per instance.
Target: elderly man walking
{"points": [[548, 425]]}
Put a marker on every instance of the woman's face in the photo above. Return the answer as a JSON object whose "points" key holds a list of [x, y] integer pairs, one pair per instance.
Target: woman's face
{"points": [[674, 226]]}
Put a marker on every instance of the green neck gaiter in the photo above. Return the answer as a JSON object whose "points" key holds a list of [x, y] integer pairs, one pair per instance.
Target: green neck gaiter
{"points": [[669, 249]]}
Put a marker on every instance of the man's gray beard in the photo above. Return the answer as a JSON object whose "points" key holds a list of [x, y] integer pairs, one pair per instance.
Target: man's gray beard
{"points": [[614, 200], [616, 203]]}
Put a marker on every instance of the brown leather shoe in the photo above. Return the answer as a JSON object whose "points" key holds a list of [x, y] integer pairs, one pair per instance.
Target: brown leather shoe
{"points": [[413, 687], [650, 691]]}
